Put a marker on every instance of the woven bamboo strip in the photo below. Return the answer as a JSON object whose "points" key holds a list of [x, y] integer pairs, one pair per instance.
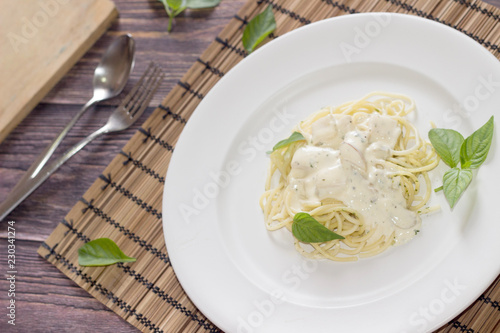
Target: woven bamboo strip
{"points": [[485, 319], [324, 9], [451, 12], [144, 260], [368, 6], [479, 316]]}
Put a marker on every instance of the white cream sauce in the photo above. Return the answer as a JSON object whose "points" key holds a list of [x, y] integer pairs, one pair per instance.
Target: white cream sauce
{"points": [[346, 162]]}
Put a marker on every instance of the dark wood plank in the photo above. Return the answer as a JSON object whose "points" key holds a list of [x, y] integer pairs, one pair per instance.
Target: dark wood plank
{"points": [[47, 300]]}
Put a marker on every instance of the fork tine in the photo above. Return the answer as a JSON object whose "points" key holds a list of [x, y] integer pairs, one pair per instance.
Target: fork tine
{"points": [[149, 96], [136, 87], [144, 89], [150, 88]]}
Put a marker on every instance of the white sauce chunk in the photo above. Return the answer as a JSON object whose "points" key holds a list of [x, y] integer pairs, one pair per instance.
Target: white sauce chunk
{"points": [[346, 162]]}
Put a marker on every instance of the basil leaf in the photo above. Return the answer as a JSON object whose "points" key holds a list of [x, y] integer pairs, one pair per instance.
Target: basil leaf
{"points": [[101, 252], [476, 147], [455, 181], [306, 229], [258, 29], [200, 4], [175, 4], [447, 143], [296, 136]]}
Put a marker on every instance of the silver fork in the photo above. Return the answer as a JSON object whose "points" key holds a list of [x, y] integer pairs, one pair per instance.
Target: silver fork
{"points": [[131, 108]]}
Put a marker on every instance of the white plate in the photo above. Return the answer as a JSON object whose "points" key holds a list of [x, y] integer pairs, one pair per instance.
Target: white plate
{"points": [[246, 279]]}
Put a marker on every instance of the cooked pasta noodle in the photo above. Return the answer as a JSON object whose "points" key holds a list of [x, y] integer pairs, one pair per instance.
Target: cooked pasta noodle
{"points": [[362, 172]]}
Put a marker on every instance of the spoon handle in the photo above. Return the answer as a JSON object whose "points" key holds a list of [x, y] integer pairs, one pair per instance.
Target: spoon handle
{"points": [[24, 189], [42, 159]]}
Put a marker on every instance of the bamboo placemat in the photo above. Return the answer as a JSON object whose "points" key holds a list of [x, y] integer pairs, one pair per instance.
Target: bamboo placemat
{"points": [[125, 202]]}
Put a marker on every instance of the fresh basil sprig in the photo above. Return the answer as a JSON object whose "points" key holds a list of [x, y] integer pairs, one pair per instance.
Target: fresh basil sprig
{"points": [[202, 4], [258, 29], [447, 143], [175, 7], [475, 148], [296, 136], [308, 230], [470, 153], [455, 181], [101, 252]]}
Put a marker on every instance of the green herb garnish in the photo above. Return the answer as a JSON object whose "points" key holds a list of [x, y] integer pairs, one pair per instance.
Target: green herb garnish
{"points": [[258, 29], [175, 7], [296, 136], [447, 143], [202, 4], [101, 252], [308, 230], [476, 147], [455, 181], [470, 153]]}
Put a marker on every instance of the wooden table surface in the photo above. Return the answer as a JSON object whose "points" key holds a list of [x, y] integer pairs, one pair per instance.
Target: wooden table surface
{"points": [[46, 300]]}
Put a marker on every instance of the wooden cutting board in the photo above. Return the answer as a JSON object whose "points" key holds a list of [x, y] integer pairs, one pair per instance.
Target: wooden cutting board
{"points": [[40, 40]]}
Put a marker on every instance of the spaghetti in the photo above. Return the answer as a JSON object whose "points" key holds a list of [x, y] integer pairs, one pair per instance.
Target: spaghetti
{"points": [[361, 171]]}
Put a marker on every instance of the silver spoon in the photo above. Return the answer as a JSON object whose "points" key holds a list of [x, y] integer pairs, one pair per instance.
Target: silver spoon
{"points": [[110, 77]]}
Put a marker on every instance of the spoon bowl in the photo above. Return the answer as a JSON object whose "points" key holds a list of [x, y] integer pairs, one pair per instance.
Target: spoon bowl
{"points": [[113, 71]]}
